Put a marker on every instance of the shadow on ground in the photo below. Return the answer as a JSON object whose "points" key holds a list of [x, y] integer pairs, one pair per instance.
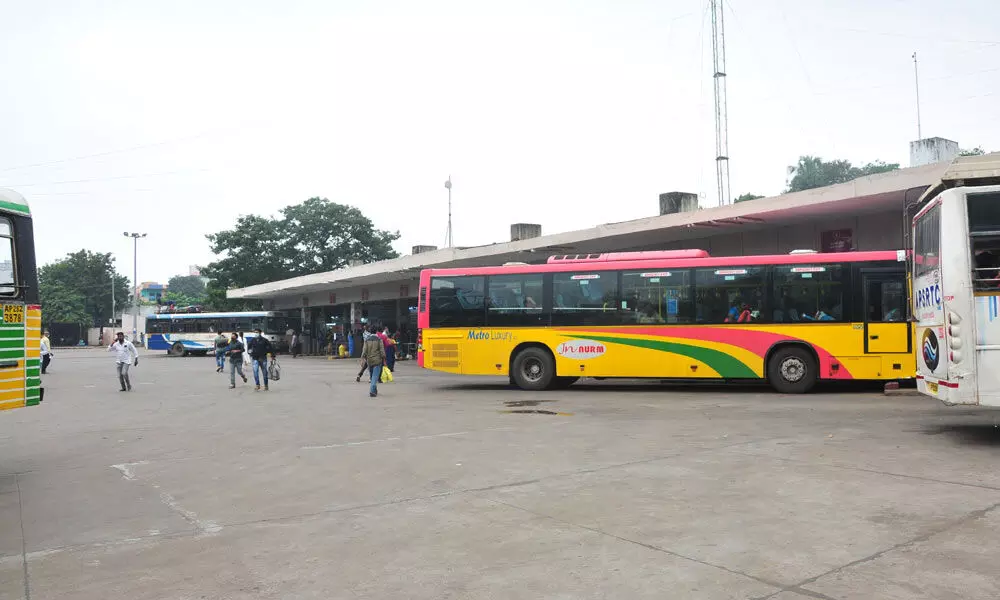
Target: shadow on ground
{"points": [[978, 434], [651, 385]]}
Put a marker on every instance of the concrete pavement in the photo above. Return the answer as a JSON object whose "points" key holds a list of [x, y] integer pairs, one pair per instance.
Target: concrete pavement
{"points": [[450, 487]]}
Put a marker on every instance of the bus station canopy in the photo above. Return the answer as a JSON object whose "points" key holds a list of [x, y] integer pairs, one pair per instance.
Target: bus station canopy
{"points": [[866, 195]]}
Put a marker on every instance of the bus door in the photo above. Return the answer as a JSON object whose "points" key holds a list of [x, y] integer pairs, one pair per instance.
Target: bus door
{"points": [[887, 330]]}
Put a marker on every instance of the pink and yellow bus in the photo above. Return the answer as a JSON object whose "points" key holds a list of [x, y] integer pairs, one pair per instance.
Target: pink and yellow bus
{"points": [[789, 319]]}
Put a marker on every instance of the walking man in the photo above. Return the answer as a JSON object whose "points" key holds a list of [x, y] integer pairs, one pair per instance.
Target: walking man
{"points": [[260, 347], [235, 351], [125, 356], [220, 352], [364, 366], [373, 353], [295, 345], [46, 351]]}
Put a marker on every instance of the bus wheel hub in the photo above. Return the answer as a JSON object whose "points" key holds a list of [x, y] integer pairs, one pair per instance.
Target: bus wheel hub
{"points": [[532, 370], [792, 369]]}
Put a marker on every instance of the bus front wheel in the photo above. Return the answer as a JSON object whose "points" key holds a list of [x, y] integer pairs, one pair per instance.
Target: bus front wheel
{"points": [[534, 369], [178, 349], [792, 370]]}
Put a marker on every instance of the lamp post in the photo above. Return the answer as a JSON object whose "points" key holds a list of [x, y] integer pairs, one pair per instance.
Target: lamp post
{"points": [[447, 185], [135, 281]]}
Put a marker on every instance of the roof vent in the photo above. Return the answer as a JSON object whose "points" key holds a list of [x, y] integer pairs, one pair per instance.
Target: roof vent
{"points": [[622, 256], [803, 251], [515, 264]]}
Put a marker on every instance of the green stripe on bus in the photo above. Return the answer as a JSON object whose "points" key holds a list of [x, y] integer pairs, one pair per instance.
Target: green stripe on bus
{"points": [[11, 343], [33, 362], [12, 353], [33, 382], [33, 372], [724, 364], [21, 208], [13, 332]]}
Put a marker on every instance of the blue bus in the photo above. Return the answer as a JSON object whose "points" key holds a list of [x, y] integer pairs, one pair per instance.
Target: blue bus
{"points": [[181, 334]]}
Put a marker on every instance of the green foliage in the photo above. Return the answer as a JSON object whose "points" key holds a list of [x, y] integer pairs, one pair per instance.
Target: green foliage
{"points": [[312, 237], [181, 299], [77, 289], [747, 196], [63, 305], [813, 172], [191, 286], [977, 151]]}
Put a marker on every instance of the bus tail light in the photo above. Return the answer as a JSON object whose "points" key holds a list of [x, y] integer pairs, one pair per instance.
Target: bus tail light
{"points": [[954, 337], [420, 340]]}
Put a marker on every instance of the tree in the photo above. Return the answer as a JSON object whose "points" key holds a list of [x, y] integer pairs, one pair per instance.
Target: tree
{"points": [[77, 289], [181, 299], [191, 286], [312, 237], [977, 151], [813, 172], [747, 196]]}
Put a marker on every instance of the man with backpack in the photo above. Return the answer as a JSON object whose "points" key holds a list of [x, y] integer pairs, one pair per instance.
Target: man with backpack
{"points": [[221, 341], [260, 347], [373, 355]]}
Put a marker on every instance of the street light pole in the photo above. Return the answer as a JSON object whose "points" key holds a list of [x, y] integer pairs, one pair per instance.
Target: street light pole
{"points": [[449, 242], [135, 281]]}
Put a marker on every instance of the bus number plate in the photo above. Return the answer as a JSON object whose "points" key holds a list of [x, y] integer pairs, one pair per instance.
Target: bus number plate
{"points": [[13, 313], [932, 387]]}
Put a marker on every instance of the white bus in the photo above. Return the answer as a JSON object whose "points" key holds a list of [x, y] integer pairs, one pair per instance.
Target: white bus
{"points": [[956, 284], [181, 334]]}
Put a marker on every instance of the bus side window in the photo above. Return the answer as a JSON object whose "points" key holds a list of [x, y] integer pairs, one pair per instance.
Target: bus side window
{"points": [[984, 231], [657, 297], [458, 301], [730, 295], [515, 300], [585, 298], [808, 293]]}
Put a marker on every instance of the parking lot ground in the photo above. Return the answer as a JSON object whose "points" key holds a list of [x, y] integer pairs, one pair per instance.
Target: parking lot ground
{"points": [[452, 487]]}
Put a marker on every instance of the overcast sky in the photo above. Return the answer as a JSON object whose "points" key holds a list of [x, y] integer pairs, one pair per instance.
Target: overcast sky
{"points": [[172, 118]]}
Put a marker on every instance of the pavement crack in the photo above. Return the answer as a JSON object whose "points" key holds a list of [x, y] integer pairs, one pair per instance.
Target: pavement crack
{"points": [[972, 516], [24, 542], [646, 545], [874, 471]]}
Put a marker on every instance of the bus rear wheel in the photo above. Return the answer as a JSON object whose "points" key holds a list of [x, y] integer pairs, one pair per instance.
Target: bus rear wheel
{"points": [[792, 370], [533, 369], [178, 349]]}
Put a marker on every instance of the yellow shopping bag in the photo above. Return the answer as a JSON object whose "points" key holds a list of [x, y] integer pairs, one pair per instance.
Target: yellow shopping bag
{"points": [[386, 375]]}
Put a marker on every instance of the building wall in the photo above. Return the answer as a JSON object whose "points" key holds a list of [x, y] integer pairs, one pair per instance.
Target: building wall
{"points": [[879, 231]]}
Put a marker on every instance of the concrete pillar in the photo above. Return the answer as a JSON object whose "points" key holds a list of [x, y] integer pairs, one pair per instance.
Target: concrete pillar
{"points": [[355, 315], [401, 313]]}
